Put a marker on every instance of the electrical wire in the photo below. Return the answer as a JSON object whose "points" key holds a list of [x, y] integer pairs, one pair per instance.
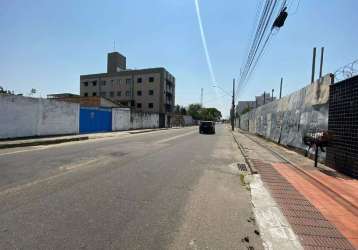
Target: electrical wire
{"points": [[261, 32], [264, 33]]}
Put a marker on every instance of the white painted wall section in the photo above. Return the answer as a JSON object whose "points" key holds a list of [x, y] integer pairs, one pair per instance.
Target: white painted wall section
{"points": [[25, 117], [121, 119], [140, 120], [56, 117]]}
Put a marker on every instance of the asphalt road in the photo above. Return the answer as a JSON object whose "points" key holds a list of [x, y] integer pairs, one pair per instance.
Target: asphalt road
{"points": [[172, 189]]}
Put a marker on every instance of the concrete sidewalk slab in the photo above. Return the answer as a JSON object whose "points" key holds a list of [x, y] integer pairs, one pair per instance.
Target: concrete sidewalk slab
{"points": [[276, 232]]}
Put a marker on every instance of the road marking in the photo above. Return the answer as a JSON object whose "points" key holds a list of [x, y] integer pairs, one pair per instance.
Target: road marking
{"points": [[176, 137], [22, 151]]}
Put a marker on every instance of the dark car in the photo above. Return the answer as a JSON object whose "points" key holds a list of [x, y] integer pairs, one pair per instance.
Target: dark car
{"points": [[207, 127]]}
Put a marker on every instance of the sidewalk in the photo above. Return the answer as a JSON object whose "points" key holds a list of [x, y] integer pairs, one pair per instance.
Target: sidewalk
{"points": [[322, 209], [24, 142]]}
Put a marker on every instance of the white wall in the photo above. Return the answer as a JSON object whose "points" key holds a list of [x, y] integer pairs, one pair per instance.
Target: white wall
{"points": [[25, 117], [141, 120], [121, 119], [150, 120], [55, 117], [188, 120]]}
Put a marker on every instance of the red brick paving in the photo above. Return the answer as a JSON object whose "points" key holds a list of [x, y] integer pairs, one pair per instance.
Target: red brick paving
{"points": [[309, 218], [340, 216]]}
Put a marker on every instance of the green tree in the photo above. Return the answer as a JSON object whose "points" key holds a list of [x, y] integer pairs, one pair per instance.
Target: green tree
{"points": [[210, 114], [200, 113], [214, 114], [183, 111], [177, 109], [193, 110]]}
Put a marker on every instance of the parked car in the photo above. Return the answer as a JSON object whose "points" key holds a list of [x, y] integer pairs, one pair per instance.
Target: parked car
{"points": [[207, 127]]}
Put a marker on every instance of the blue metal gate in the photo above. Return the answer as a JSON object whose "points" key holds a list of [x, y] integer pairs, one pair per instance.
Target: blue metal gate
{"points": [[95, 119]]}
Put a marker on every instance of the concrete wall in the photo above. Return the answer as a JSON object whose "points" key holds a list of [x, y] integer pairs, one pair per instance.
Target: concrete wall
{"points": [[25, 117], [121, 119], [286, 120], [188, 120], [139, 120]]}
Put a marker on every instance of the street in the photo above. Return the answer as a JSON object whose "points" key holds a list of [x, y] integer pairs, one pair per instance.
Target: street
{"points": [[173, 189]]}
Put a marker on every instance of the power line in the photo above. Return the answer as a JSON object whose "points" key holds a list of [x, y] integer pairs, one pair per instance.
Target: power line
{"points": [[263, 34], [260, 34]]}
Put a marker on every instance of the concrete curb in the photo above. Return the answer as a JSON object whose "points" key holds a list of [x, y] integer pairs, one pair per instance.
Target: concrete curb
{"points": [[42, 142], [276, 231], [146, 131], [253, 170]]}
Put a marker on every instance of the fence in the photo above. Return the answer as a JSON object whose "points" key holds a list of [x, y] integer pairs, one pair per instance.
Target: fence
{"points": [[342, 154]]}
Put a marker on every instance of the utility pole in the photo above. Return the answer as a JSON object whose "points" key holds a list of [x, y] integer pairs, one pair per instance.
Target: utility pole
{"points": [[313, 64], [281, 87], [233, 106], [321, 64], [272, 94], [264, 97], [202, 97]]}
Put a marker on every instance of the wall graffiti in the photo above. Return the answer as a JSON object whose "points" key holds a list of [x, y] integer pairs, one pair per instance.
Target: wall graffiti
{"points": [[286, 120]]}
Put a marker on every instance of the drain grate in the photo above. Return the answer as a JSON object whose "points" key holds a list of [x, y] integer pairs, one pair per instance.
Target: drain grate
{"points": [[242, 167]]}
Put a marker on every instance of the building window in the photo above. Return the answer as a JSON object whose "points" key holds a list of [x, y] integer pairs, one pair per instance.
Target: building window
{"points": [[94, 83], [139, 93], [151, 79], [139, 105], [85, 94], [151, 92], [128, 81], [103, 83], [94, 94], [150, 105], [111, 94], [85, 84], [103, 94], [119, 93], [139, 80], [128, 93]]}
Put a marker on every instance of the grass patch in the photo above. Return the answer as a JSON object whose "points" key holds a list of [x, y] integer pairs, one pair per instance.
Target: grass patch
{"points": [[242, 179]]}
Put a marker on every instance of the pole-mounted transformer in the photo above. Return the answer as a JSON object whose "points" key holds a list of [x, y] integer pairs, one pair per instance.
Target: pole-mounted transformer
{"points": [[280, 20]]}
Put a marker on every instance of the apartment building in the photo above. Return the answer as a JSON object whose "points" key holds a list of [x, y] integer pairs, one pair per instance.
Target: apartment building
{"points": [[145, 90]]}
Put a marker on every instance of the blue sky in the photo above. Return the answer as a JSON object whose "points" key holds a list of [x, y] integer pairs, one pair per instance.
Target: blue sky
{"points": [[47, 45]]}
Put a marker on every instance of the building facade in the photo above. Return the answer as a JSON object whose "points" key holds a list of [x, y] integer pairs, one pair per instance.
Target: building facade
{"points": [[259, 101], [144, 90]]}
